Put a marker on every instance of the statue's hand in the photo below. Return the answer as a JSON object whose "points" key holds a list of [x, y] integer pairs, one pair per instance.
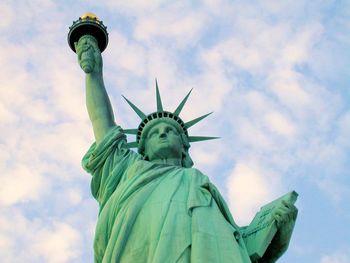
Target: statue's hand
{"points": [[89, 55], [285, 216]]}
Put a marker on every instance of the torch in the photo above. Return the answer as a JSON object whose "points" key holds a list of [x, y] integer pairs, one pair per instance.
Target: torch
{"points": [[88, 24]]}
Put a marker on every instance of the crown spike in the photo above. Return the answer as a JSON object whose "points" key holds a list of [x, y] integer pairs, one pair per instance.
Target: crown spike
{"points": [[132, 145], [159, 100], [200, 138], [182, 104], [193, 122], [137, 110]]}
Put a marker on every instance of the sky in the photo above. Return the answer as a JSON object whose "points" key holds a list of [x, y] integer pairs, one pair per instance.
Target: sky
{"points": [[275, 73]]}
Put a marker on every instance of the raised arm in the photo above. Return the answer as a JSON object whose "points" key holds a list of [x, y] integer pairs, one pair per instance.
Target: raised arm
{"points": [[97, 100]]}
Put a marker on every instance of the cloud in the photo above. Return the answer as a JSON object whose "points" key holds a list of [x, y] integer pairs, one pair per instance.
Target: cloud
{"points": [[130, 55], [74, 196], [338, 257], [249, 188], [36, 240], [133, 6], [279, 124], [181, 26], [7, 116], [21, 184], [59, 244], [7, 15]]}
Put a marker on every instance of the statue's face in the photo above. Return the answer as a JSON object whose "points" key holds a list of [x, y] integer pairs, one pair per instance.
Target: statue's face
{"points": [[163, 141]]}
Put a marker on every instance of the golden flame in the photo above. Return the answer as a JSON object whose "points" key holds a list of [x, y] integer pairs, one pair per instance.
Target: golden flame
{"points": [[89, 14]]}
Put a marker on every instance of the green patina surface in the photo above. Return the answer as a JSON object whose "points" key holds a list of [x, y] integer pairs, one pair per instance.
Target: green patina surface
{"points": [[154, 207], [153, 212]]}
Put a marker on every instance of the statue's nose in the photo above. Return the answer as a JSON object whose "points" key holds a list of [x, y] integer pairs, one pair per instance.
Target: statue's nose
{"points": [[162, 134]]}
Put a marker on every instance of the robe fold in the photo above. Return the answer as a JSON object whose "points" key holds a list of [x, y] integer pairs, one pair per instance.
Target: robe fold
{"points": [[156, 213]]}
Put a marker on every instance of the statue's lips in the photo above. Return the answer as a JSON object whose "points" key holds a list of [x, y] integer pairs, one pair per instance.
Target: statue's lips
{"points": [[162, 141]]}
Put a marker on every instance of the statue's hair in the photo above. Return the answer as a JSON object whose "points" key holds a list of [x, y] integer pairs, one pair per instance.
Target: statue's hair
{"points": [[186, 158]]}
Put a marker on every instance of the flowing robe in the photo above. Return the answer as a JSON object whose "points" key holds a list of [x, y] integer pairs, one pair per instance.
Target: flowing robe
{"points": [[156, 213]]}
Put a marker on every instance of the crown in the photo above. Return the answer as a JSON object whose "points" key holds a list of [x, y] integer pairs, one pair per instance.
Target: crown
{"points": [[162, 114]]}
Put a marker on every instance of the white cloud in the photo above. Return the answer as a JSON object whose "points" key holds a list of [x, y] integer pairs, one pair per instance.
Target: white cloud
{"points": [[7, 116], [343, 127], [278, 7], [338, 257], [279, 124], [133, 6], [207, 154], [36, 240], [127, 55], [6, 14], [178, 24], [74, 196], [251, 134], [21, 184], [61, 243], [249, 188], [37, 110], [285, 85]]}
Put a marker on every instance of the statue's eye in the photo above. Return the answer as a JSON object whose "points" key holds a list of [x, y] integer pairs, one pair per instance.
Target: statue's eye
{"points": [[153, 133], [168, 129], [171, 130]]}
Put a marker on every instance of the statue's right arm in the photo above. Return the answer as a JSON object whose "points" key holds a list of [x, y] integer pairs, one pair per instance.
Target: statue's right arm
{"points": [[97, 101]]}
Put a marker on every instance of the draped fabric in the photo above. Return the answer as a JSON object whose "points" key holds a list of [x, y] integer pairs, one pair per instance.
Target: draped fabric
{"points": [[154, 213]]}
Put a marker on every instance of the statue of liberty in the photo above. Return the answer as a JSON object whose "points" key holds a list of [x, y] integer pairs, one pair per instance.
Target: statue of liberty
{"points": [[154, 206]]}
